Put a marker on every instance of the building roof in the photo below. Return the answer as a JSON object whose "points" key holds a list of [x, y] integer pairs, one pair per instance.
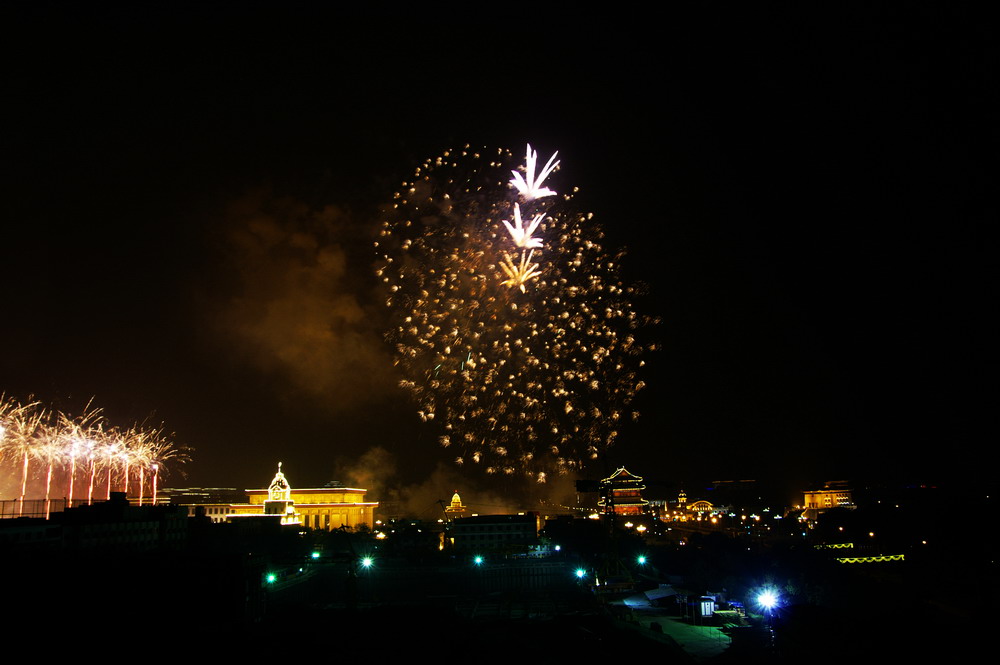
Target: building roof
{"points": [[622, 475]]}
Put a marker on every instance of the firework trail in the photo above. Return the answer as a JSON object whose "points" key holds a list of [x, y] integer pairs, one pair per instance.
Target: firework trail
{"points": [[19, 425], [155, 450], [514, 328], [79, 436]]}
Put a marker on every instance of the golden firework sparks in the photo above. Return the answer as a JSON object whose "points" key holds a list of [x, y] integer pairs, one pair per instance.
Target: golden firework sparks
{"points": [[516, 379]]}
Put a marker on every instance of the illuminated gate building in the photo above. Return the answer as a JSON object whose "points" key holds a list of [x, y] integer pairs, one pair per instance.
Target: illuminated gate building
{"points": [[621, 493]]}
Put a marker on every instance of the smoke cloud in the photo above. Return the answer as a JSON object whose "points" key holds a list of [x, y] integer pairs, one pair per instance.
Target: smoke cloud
{"points": [[298, 303], [377, 470], [374, 470]]}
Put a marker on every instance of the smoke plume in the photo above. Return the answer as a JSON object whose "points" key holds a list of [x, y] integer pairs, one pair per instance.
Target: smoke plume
{"points": [[298, 300]]}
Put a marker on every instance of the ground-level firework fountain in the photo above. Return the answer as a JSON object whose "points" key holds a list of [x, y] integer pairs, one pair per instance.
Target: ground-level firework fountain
{"points": [[43, 447]]}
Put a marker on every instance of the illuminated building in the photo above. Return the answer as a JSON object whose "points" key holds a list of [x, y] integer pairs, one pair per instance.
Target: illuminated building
{"points": [[835, 494], [455, 509], [326, 508], [279, 499], [701, 506], [621, 493]]}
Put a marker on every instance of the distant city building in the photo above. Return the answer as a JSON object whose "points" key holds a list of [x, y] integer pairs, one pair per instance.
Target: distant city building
{"points": [[621, 493], [455, 509], [835, 494], [701, 507], [683, 510], [484, 533], [187, 496]]}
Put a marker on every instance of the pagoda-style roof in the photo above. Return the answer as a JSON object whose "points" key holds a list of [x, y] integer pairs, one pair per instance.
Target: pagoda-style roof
{"points": [[622, 475], [621, 489]]}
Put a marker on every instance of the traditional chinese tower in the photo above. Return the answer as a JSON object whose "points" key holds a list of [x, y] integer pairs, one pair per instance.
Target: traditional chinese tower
{"points": [[621, 493]]}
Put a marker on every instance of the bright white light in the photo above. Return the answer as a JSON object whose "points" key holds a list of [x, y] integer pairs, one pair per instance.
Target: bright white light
{"points": [[767, 599], [367, 562], [581, 573], [522, 237], [529, 187]]}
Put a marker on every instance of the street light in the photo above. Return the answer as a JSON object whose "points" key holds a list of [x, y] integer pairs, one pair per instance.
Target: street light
{"points": [[767, 599]]}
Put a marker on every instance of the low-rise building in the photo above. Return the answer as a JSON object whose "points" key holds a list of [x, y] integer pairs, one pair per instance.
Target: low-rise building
{"points": [[485, 533], [835, 494]]}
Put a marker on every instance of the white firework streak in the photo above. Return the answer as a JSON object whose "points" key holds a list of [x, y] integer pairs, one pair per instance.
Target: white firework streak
{"points": [[522, 237], [518, 275], [529, 187]]}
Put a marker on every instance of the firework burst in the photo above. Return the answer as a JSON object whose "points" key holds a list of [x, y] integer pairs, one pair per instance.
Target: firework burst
{"points": [[519, 341]]}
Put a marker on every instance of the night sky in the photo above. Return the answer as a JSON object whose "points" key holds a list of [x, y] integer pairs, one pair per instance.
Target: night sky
{"points": [[190, 194]]}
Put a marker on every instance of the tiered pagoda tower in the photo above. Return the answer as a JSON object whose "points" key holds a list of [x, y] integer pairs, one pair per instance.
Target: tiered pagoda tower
{"points": [[621, 493]]}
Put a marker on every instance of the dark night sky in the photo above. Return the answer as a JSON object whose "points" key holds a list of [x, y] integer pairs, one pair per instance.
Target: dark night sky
{"points": [[804, 193]]}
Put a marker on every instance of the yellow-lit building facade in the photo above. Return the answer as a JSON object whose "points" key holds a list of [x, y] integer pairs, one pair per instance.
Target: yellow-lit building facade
{"points": [[833, 495], [325, 508]]}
